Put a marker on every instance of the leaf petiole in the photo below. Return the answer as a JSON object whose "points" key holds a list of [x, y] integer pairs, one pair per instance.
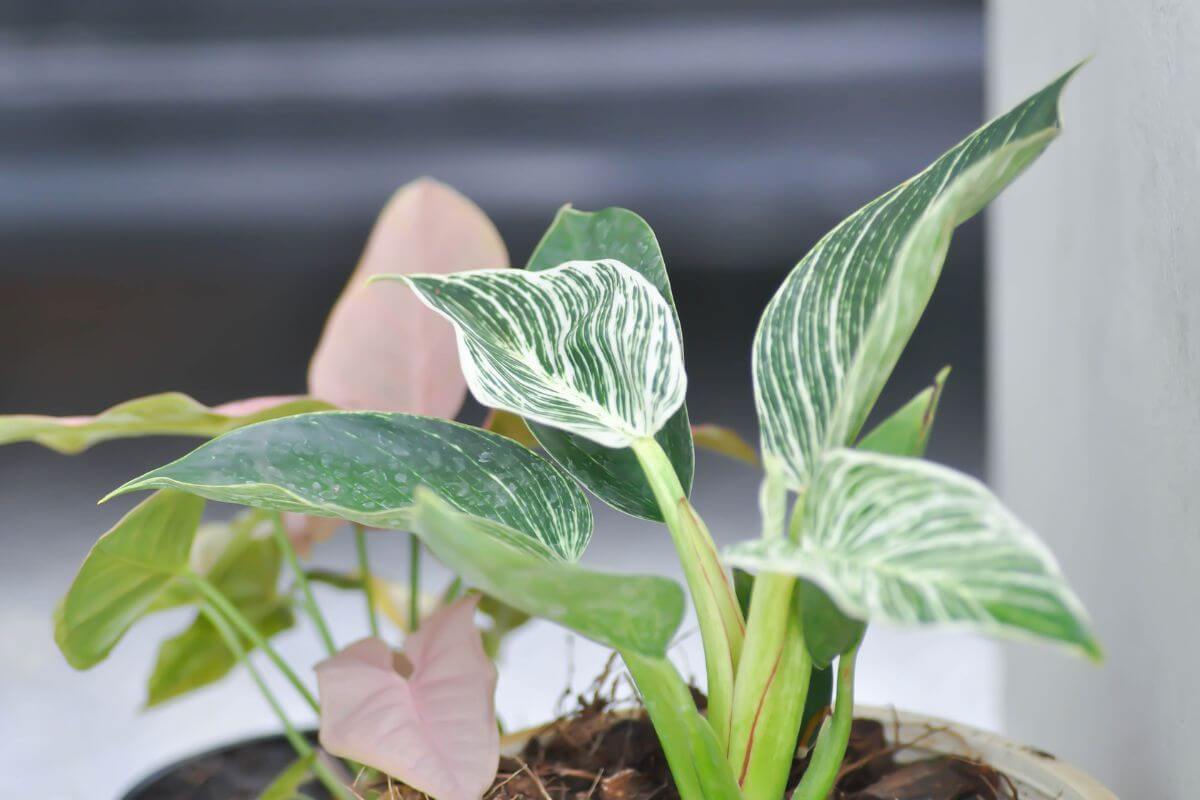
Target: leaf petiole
{"points": [[217, 603], [722, 627], [364, 571], [310, 602], [414, 583], [298, 742], [830, 748]]}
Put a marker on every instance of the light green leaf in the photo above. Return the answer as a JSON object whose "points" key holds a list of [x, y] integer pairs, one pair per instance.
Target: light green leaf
{"points": [[170, 414], [627, 612], [613, 474], [125, 576], [906, 542], [365, 466], [288, 783], [199, 655], [589, 346], [906, 432], [242, 561], [831, 335]]}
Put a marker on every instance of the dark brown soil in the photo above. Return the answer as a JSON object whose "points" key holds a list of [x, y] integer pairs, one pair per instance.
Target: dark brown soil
{"points": [[599, 754]]}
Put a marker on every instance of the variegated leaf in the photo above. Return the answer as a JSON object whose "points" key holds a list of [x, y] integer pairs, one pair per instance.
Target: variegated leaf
{"points": [[590, 347], [833, 332], [903, 541], [365, 466], [614, 475]]}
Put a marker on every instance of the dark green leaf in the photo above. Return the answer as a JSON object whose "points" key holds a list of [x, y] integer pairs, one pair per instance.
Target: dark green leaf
{"points": [[364, 467]]}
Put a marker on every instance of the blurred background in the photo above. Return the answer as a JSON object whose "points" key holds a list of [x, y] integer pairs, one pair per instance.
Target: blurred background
{"points": [[185, 187]]}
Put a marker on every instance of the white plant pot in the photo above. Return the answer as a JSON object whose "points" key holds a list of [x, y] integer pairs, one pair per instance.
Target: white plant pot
{"points": [[1038, 775]]}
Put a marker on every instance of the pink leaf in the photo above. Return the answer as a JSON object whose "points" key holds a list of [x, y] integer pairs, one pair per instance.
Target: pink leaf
{"points": [[305, 531], [425, 715], [382, 349]]}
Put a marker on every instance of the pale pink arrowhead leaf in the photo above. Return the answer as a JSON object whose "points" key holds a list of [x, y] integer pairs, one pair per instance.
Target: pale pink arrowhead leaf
{"points": [[304, 531], [425, 715], [382, 349]]}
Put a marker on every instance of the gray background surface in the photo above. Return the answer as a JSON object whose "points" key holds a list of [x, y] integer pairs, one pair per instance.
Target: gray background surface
{"points": [[1095, 377]]}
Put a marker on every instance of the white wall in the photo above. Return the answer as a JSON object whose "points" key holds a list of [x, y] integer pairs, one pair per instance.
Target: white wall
{"points": [[1095, 377]]}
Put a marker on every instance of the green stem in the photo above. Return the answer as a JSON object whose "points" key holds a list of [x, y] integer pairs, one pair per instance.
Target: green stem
{"points": [[310, 602], [696, 760], [364, 570], [721, 625], [298, 742], [773, 675], [830, 748], [771, 688], [232, 615], [414, 583]]}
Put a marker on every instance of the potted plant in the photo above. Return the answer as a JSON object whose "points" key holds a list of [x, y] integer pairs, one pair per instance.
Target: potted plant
{"points": [[583, 347]]}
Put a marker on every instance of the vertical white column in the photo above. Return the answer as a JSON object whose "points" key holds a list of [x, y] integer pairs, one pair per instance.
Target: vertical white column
{"points": [[1094, 345]]}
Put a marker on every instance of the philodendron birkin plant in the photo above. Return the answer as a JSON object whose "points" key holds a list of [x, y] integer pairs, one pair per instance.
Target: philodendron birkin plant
{"points": [[584, 345]]}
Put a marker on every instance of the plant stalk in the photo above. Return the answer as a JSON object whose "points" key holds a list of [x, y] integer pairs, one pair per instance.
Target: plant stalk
{"points": [[830, 748], [722, 628], [696, 760], [771, 688], [310, 602], [364, 571], [414, 583], [298, 742], [773, 675], [217, 602]]}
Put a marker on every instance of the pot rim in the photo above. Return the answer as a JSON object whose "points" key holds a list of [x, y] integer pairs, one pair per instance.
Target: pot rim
{"points": [[1034, 768]]}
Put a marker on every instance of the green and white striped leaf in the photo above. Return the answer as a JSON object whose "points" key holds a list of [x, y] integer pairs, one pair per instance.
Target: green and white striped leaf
{"points": [[614, 475], [166, 414], [637, 613], [590, 347], [365, 467], [906, 542], [831, 335]]}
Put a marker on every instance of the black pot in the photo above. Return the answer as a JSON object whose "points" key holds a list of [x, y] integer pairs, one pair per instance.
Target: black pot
{"points": [[238, 771]]}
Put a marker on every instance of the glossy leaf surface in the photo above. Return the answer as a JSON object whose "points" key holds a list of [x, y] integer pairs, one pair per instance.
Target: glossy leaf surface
{"points": [[364, 467], [613, 474], [627, 612], [833, 332]]}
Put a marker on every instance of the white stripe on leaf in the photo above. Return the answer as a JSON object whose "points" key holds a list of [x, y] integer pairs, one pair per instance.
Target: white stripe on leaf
{"points": [[902, 541], [590, 347]]}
